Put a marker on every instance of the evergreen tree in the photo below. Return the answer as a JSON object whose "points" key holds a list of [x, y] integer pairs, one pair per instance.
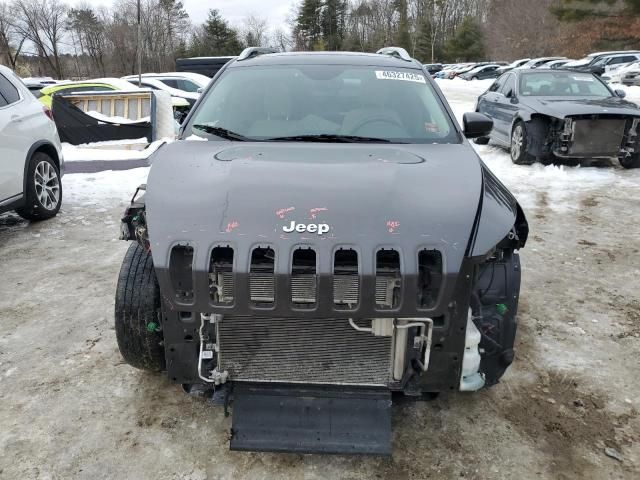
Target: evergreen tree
{"points": [[403, 37], [216, 37], [333, 23], [308, 27], [425, 51], [467, 43]]}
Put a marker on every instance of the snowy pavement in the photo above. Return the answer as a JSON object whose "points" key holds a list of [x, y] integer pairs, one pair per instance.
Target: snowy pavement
{"points": [[70, 407]]}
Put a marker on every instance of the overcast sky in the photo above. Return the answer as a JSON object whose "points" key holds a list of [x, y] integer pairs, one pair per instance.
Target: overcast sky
{"points": [[275, 11]]}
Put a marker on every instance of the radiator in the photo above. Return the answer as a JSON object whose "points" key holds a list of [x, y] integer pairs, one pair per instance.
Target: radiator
{"points": [[301, 350], [600, 136]]}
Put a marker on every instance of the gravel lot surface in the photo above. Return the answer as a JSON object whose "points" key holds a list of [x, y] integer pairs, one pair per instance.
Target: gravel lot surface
{"points": [[567, 408]]}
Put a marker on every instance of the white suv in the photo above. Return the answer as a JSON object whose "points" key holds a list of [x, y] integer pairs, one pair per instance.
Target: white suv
{"points": [[31, 163]]}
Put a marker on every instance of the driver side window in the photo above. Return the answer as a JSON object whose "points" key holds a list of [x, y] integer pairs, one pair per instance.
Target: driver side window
{"points": [[509, 86], [497, 85]]}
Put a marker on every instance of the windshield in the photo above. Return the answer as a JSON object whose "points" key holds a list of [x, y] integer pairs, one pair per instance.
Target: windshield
{"points": [[279, 102], [581, 62], [562, 84], [181, 84]]}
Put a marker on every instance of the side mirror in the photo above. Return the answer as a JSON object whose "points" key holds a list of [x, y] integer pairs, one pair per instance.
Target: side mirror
{"points": [[200, 90], [476, 125], [620, 93]]}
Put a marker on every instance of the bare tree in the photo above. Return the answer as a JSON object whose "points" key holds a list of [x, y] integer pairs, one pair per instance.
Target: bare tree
{"points": [[521, 28], [42, 23], [11, 41], [254, 31], [88, 34], [281, 40]]}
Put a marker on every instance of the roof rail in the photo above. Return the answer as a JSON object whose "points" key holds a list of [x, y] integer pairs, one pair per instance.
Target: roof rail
{"points": [[397, 52], [251, 52]]}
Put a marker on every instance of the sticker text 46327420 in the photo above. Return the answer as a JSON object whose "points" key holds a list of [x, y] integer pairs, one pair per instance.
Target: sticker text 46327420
{"points": [[404, 76]]}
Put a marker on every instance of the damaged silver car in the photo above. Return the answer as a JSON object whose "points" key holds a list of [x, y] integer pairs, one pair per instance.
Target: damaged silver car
{"points": [[560, 116]]}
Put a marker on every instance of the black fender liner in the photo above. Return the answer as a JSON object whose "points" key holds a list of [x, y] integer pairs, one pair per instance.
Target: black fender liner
{"points": [[494, 304]]}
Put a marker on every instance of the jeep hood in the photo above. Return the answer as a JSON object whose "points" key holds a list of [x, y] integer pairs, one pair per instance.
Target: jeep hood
{"points": [[371, 196]]}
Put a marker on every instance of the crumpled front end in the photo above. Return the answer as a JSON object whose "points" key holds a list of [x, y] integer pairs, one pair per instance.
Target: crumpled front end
{"points": [[327, 265], [585, 136]]}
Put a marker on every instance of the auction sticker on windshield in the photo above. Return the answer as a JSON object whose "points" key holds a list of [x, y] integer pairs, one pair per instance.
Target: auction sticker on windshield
{"points": [[406, 76]]}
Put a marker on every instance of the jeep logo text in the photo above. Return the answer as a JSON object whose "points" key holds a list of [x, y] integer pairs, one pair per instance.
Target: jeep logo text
{"points": [[319, 228]]}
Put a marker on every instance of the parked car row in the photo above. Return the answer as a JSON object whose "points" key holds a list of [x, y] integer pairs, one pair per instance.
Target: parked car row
{"points": [[610, 65], [471, 70]]}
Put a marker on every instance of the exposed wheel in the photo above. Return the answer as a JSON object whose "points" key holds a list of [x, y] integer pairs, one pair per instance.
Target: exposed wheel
{"points": [[518, 149], [138, 312], [44, 189], [631, 162], [481, 141]]}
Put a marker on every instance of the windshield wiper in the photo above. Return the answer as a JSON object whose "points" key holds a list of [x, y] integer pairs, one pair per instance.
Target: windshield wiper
{"points": [[221, 132], [329, 138]]}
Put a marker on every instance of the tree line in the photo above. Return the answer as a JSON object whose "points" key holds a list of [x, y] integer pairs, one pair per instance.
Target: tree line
{"points": [[51, 37], [430, 30]]}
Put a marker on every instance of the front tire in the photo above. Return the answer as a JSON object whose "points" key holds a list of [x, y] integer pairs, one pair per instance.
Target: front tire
{"points": [[518, 147], [632, 161], [138, 312], [44, 189]]}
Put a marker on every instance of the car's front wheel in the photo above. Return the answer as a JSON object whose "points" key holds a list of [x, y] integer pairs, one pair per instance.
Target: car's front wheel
{"points": [[632, 161], [138, 312], [518, 147], [44, 189]]}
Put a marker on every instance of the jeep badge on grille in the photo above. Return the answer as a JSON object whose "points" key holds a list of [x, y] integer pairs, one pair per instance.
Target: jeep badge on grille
{"points": [[319, 228]]}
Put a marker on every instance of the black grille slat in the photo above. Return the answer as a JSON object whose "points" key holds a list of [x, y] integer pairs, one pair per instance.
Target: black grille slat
{"points": [[388, 278], [262, 289], [304, 279], [346, 279], [221, 275], [181, 268]]}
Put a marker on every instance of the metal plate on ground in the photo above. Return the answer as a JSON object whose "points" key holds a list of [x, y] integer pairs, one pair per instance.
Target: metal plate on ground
{"points": [[311, 420]]}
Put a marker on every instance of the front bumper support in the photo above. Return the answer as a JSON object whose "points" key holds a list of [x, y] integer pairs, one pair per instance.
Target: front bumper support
{"points": [[311, 419]]}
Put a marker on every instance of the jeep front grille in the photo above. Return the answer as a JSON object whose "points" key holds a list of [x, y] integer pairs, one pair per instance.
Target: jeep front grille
{"points": [[345, 284], [302, 350]]}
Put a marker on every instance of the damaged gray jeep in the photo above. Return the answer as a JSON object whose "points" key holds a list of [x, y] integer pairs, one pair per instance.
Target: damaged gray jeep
{"points": [[322, 240], [561, 116]]}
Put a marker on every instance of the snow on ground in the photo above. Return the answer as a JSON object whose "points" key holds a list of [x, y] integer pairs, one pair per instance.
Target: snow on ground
{"points": [[88, 189], [633, 93], [111, 150]]}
